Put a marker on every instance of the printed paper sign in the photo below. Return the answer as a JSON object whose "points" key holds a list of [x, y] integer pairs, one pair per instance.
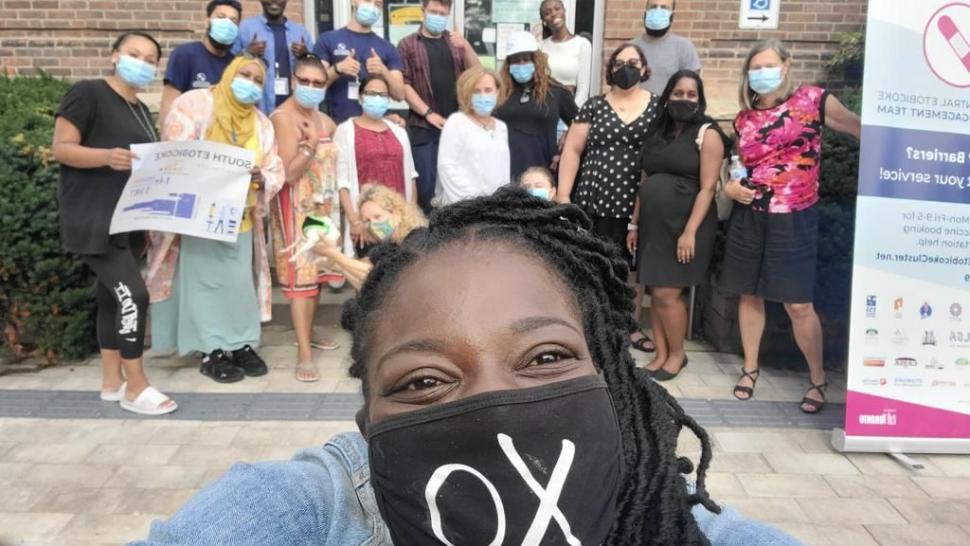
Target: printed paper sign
{"points": [[195, 188]]}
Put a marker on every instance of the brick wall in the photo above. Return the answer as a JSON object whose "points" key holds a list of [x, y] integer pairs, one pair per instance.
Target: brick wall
{"points": [[811, 28], [72, 38]]}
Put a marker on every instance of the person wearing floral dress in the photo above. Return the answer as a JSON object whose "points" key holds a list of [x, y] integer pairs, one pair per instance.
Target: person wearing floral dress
{"points": [[309, 157]]}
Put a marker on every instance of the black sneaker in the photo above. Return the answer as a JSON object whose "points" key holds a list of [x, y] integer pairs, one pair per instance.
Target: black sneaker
{"points": [[247, 359], [220, 368]]}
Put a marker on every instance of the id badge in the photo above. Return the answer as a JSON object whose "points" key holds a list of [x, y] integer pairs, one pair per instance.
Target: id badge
{"points": [[353, 90], [281, 86]]}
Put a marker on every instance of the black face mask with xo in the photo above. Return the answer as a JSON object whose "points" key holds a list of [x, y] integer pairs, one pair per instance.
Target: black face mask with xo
{"points": [[532, 467]]}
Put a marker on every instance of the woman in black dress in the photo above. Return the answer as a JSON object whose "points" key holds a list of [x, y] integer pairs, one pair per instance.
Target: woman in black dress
{"points": [[96, 123], [681, 162], [600, 167], [532, 103]]}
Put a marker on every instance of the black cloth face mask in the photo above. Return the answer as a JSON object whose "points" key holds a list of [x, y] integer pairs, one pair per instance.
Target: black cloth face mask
{"points": [[626, 76], [538, 466], [683, 110]]}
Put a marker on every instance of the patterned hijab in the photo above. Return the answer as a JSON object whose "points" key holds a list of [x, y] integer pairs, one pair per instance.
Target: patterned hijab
{"points": [[231, 117]]}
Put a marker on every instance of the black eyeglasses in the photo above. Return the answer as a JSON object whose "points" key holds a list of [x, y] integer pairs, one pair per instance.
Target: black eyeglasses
{"points": [[375, 94], [319, 84], [618, 64]]}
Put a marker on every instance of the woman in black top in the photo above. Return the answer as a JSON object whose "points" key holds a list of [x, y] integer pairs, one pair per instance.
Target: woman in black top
{"points": [[532, 103], [96, 122], [607, 137], [681, 162]]}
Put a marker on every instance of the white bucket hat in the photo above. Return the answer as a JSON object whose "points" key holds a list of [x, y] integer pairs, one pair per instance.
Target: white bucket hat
{"points": [[521, 41]]}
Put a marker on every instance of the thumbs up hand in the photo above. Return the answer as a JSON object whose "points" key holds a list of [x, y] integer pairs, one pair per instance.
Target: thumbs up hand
{"points": [[375, 65], [256, 47], [349, 66], [299, 48]]}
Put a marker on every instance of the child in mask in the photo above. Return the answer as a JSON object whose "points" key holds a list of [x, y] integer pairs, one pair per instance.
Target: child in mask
{"points": [[540, 182], [501, 404]]}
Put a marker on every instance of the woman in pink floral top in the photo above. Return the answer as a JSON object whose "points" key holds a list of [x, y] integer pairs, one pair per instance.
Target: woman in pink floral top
{"points": [[773, 232]]}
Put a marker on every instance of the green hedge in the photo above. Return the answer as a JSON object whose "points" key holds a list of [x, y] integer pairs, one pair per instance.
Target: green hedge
{"points": [[46, 296], [837, 192]]}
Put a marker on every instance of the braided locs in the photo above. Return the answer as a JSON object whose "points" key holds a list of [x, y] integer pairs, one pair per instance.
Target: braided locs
{"points": [[653, 506]]}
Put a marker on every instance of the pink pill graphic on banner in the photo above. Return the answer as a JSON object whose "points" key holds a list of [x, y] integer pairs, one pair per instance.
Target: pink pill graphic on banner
{"points": [[956, 39], [946, 44]]}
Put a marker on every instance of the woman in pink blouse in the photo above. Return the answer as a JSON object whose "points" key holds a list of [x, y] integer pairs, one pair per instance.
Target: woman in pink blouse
{"points": [[773, 232]]}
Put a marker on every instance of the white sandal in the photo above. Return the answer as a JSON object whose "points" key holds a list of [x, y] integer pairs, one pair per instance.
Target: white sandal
{"points": [[149, 402], [114, 396]]}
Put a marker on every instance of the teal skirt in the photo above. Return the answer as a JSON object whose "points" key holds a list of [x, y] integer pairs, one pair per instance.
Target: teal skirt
{"points": [[214, 304]]}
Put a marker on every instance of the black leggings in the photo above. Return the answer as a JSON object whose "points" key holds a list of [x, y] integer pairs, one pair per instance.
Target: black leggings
{"points": [[122, 301]]}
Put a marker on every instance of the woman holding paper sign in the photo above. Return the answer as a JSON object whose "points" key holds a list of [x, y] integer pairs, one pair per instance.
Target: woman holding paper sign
{"points": [[773, 233], [96, 123], [203, 293]]}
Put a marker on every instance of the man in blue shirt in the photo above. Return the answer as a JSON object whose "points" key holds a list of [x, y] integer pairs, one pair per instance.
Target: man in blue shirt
{"points": [[355, 52], [278, 42], [199, 65]]}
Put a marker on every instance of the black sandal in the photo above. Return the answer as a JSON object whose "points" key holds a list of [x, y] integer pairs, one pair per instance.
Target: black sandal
{"points": [[641, 344], [815, 405], [753, 375], [219, 367]]}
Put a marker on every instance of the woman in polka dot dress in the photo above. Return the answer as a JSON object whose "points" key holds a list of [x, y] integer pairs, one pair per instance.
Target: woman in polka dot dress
{"points": [[606, 137]]}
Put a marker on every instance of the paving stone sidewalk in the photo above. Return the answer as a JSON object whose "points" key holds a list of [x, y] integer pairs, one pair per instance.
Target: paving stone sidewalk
{"points": [[73, 482]]}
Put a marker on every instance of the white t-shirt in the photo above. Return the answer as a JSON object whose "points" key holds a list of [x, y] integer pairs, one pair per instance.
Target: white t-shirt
{"points": [[472, 161], [571, 64]]}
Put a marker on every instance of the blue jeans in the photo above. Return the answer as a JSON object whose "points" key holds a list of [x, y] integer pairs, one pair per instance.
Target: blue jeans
{"points": [[424, 150]]}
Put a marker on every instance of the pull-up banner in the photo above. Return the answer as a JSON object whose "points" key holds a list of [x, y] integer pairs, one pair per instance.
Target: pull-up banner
{"points": [[909, 358]]}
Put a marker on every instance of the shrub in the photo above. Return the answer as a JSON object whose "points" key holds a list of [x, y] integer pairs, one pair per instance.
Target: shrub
{"points": [[837, 192], [46, 296]]}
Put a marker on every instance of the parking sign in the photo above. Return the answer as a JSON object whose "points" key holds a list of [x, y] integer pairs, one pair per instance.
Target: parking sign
{"points": [[759, 14]]}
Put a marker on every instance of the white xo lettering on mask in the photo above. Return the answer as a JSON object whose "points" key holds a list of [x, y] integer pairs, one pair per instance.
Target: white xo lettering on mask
{"points": [[548, 498]]}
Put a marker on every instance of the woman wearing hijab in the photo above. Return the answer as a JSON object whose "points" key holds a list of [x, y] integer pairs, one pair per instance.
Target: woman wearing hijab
{"points": [[205, 294]]}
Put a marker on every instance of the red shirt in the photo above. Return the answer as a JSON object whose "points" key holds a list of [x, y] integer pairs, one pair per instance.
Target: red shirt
{"points": [[380, 158]]}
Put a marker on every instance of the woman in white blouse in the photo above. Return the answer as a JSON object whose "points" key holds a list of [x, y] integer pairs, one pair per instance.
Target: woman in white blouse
{"points": [[473, 157], [570, 56]]}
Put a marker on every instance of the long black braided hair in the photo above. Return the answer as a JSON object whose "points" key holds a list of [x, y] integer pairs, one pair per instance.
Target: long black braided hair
{"points": [[653, 505]]}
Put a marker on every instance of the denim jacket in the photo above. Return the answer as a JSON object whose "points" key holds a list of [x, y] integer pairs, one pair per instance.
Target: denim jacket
{"points": [[323, 496]]}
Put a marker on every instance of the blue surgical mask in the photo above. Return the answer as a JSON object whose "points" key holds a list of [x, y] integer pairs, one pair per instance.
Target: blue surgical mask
{"points": [[657, 19], [223, 30], [367, 14], [541, 193], [484, 103], [309, 97], [434, 23], [375, 107], [765, 80], [246, 91], [134, 72], [522, 73]]}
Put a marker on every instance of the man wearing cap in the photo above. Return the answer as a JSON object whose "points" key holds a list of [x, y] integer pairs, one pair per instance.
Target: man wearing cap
{"points": [[278, 41], [352, 54], [433, 59], [666, 52], [199, 65]]}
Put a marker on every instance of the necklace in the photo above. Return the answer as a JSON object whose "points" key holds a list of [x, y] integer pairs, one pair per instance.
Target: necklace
{"points": [[483, 124], [143, 121]]}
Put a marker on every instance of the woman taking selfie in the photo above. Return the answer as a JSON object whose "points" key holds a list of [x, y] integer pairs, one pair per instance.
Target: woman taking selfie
{"points": [[501, 402]]}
